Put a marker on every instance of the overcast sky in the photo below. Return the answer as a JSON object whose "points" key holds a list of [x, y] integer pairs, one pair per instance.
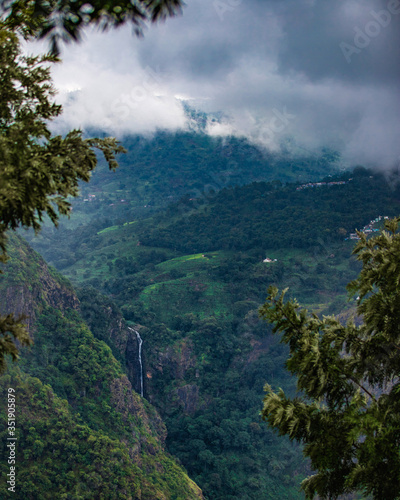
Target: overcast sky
{"points": [[325, 73]]}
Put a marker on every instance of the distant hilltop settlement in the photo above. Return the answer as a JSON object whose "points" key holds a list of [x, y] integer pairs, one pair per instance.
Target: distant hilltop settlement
{"points": [[369, 228], [320, 184]]}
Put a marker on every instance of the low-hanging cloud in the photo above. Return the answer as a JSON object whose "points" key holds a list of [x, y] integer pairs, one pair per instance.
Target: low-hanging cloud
{"points": [[323, 73]]}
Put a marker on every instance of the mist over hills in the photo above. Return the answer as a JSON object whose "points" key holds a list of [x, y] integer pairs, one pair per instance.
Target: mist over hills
{"points": [[158, 170]]}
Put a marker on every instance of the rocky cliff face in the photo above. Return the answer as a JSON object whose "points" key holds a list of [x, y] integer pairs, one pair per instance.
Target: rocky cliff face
{"points": [[135, 368], [27, 284], [107, 323], [177, 361]]}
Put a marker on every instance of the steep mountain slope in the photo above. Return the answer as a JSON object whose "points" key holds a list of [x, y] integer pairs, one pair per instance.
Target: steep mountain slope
{"points": [[206, 378], [82, 431]]}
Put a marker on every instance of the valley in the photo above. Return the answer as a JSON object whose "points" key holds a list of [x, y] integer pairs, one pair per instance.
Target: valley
{"points": [[190, 279]]}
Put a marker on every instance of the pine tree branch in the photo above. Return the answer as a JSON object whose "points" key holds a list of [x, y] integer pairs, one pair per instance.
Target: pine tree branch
{"points": [[361, 387], [295, 327]]}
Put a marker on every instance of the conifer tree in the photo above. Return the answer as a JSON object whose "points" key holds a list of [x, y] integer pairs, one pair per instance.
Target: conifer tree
{"points": [[347, 409]]}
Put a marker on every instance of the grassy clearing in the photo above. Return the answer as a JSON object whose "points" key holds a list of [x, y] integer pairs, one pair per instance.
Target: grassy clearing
{"points": [[194, 292], [194, 262], [108, 229]]}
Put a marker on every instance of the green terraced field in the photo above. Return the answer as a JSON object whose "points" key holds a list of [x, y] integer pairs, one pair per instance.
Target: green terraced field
{"points": [[195, 292]]}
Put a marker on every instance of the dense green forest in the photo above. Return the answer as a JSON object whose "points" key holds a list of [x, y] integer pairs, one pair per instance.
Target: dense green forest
{"points": [[161, 169], [191, 278], [270, 216]]}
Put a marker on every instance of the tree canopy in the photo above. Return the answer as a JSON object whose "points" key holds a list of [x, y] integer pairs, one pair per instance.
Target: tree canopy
{"points": [[66, 19], [347, 410]]}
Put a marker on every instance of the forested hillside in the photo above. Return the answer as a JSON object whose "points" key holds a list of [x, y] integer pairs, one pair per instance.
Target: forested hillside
{"points": [[146, 352], [161, 169], [82, 431], [191, 278], [271, 216]]}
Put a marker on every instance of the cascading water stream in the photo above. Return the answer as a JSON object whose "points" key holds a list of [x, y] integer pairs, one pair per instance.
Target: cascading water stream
{"points": [[140, 342]]}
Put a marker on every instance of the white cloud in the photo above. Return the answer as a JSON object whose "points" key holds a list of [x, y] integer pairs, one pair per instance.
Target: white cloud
{"points": [[272, 68], [114, 92]]}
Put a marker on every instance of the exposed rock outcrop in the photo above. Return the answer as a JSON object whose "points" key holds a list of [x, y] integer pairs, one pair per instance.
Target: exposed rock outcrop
{"points": [[189, 397], [28, 284]]}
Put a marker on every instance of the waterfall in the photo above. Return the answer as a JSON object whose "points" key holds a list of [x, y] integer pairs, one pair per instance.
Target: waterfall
{"points": [[140, 342]]}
